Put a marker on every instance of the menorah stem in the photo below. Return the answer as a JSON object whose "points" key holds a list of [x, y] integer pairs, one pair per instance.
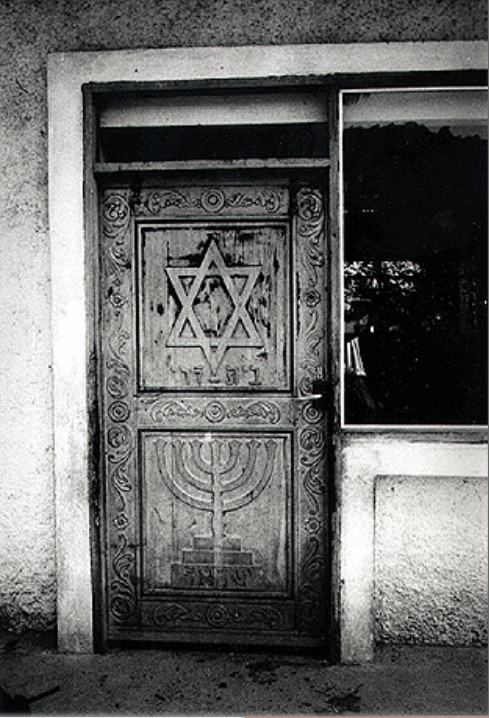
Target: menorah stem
{"points": [[217, 519]]}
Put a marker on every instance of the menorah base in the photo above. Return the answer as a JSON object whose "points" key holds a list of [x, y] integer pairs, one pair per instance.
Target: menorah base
{"points": [[205, 567], [203, 576]]}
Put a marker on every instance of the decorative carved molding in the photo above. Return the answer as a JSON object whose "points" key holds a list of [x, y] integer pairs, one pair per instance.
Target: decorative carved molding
{"points": [[116, 218], [312, 437], [123, 600], [211, 201], [164, 411], [178, 616]]}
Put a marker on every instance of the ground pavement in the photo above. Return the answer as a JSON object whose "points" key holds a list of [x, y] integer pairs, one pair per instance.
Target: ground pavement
{"points": [[402, 680]]}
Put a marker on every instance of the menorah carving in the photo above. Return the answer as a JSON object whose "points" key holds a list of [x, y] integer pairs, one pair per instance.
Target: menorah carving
{"points": [[218, 477]]}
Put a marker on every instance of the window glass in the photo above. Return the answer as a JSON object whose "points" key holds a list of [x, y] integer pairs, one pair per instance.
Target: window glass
{"points": [[415, 257]]}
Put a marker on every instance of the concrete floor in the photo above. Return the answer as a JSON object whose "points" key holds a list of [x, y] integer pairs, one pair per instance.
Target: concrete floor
{"points": [[403, 680]]}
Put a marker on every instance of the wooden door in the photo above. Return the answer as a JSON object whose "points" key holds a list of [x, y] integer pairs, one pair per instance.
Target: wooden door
{"points": [[212, 341]]}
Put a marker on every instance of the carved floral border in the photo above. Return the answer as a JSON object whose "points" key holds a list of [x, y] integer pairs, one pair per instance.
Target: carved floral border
{"points": [[116, 219], [310, 230]]}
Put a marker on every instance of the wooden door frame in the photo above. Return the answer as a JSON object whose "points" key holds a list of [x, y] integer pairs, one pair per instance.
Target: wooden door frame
{"points": [[72, 198]]}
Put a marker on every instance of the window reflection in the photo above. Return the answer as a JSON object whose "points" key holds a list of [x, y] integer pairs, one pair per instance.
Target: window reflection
{"points": [[415, 250]]}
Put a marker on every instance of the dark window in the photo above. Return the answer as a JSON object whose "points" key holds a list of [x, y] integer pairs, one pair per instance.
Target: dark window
{"points": [[142, 144], [415, 258]]}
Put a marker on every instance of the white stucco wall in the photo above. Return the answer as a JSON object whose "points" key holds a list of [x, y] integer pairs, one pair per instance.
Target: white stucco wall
{"points": [[431, 559], [413, 553], [27, 559]]}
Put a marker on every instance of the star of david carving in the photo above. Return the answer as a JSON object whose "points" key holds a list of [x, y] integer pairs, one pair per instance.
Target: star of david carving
{"points": [[214, 348]]}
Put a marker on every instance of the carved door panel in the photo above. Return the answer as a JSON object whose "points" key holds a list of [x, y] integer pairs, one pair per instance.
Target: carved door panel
{"points": [[212, 336]]}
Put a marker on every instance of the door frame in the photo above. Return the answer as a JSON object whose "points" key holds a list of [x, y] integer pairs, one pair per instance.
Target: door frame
{"points": [[72, 199]]}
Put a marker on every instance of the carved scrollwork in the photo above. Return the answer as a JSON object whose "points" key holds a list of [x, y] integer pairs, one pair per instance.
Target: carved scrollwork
{"points": [[115, 213], [173, 409], [117, 385], [115, 220], [310, 211], [269, 199], [312, 586], [253, 412], [210, 200], [123, 604], [116, 217], [175, 616], [313, 440], [312, 437], [159, 201], [119, 478]]}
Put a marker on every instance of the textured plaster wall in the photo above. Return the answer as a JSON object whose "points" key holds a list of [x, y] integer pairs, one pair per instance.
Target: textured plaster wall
{"points": [[413, 552], [29, 29], [431, 559]]}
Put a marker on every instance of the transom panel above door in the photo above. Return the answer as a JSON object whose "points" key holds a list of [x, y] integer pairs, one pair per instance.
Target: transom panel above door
{"points": [[213, 345]]}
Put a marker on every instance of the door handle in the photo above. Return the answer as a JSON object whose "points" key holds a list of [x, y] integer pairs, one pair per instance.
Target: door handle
{"points": [[320, 393]]}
